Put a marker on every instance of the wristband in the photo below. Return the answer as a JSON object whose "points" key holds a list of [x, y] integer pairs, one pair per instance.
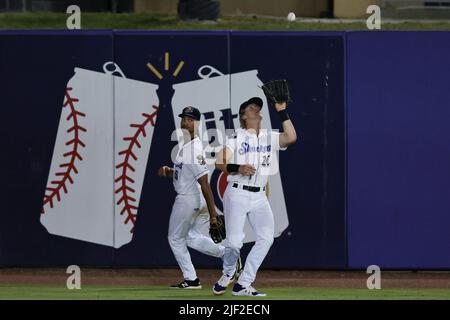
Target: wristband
{"points": [[283, 115]]}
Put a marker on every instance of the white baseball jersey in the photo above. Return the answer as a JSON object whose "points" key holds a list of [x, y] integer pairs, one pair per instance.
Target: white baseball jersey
{"points": [[259, 151], [189, 166], [188, 217]]}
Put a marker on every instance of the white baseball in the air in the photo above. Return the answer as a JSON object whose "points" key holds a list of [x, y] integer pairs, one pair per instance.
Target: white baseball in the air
{"points": [[291, 16]]}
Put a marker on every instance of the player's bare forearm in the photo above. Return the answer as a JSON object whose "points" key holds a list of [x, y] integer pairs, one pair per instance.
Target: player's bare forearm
{"points": [[209, 198], [289, 135], [222, 163], [221, 167], [222, 160]]}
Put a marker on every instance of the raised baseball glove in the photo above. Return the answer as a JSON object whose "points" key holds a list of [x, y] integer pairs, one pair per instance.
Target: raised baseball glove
{"points": [[217, 230], [277, 91]]}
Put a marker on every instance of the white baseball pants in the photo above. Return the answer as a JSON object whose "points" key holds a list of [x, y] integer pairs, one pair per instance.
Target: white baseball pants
{"points": [[238, 205], [185, 230]]}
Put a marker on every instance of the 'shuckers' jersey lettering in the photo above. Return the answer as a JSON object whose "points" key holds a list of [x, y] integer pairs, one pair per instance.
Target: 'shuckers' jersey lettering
{"points": [[246, 147], [259, 151], [189, 166]]}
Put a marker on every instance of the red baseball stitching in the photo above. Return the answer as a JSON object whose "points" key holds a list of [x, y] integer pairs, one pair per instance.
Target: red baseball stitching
{"points": [[125, 165], [73, 154]]}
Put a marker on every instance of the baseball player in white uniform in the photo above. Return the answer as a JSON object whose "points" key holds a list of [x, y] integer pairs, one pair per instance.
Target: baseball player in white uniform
{"points": [[249, 158], [189, 213]]}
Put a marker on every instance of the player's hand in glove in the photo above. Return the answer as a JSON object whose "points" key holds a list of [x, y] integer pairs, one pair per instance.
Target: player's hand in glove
{"points": [[277, 91], [217, 229]]}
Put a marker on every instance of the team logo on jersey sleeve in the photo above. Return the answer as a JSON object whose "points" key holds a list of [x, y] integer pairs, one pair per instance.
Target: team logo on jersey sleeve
{"points": [[201, 160]]}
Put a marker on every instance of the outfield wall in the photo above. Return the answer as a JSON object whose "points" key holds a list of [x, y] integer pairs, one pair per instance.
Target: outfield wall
{"points": [[398, 149], [81, 185]]}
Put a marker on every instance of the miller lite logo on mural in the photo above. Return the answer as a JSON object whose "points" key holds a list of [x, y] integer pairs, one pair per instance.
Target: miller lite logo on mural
{"points": [[220, 109]]}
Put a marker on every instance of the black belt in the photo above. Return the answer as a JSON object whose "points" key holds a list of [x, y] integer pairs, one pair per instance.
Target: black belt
{"points": [[249, 188]]}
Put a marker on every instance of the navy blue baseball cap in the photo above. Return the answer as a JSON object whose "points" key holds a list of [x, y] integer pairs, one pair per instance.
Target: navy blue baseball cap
{"points": [[191, 112], [255, 100]]}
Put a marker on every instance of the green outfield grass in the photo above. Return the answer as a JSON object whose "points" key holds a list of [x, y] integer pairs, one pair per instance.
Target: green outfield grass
{"points": [[164, 293], [153, 21]]}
